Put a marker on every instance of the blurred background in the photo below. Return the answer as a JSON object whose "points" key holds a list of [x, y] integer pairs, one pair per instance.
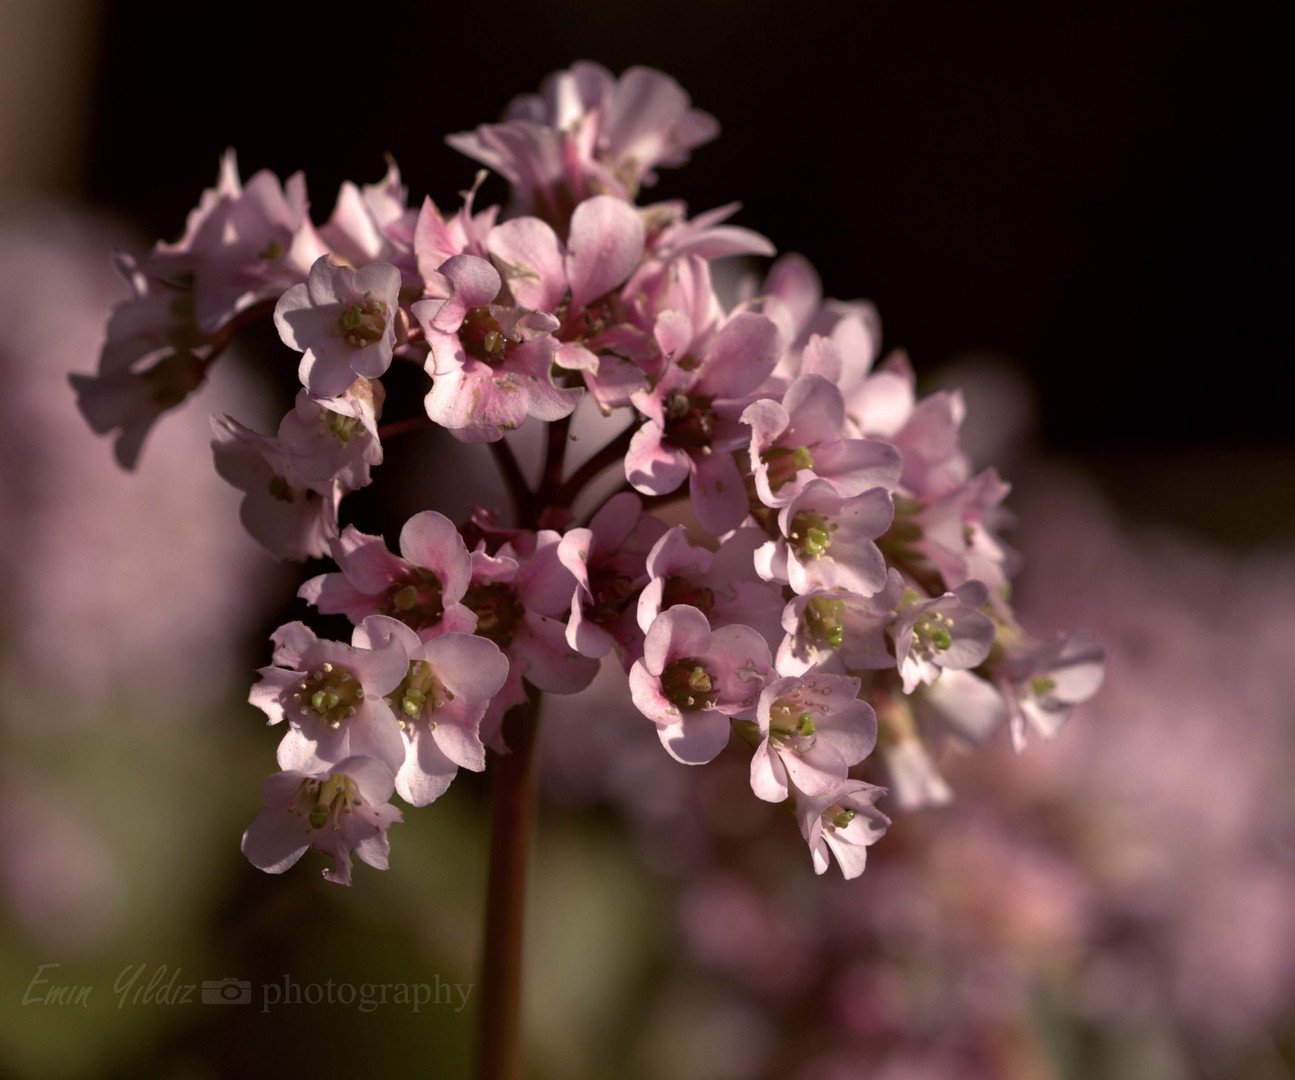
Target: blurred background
{"points": [[1076, 214]]}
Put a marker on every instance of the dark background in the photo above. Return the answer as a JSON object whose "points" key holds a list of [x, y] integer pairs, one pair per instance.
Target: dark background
{"points": [[1092, 190]]}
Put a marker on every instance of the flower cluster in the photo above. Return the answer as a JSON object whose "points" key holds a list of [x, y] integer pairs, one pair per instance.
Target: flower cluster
{"points": [[845, 588]]}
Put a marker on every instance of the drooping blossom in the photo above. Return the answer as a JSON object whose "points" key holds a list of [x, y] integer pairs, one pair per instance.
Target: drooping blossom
{"points": [[283, 509], [338, 810], [812, 728], [843, 821], [518, 595], [941, 632], [1043, 685], [609, 563]]}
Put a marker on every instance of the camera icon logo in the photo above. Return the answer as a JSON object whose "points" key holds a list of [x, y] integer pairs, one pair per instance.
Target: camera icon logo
{"points": [[227, 992]]}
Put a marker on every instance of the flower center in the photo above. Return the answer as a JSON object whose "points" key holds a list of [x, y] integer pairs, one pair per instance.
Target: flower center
{"points": [[931, 633], [836, 817], [612, 591], [689, 422], [364, 323], [325, 801], [822, 620], [1042, 686], [330, 693], [499, 611], [419, 695], [679, 590], [811, 534], [686, 684], [791, 724], [414, 599], [342, 427], [482, 336], [783, 463]]}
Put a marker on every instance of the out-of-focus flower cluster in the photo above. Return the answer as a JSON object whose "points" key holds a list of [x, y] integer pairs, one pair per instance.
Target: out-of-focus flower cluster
{"points": [[107, 624], [846, 589]]}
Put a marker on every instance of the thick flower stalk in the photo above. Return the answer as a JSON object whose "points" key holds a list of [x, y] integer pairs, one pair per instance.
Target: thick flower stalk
{"points": [[844, 588]]}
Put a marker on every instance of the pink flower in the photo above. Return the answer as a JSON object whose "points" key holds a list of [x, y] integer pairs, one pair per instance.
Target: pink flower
{"points": [[338, 810], [693, 414], [957, 533], [914, 778], [578, 282], [283, 510], [374, 224], [673, 235], [1044, 684], [438, 239], [587, 133], [961, 705], [439, 703], [244, 245], [609, 563], [934, 463], [335, 438], [332, 696], [838, 630], [722, 585], [516, 594], [490, 363], [844, 821], [343, 322], [692, 679], [799, 440], [813, 729], [827, 541], [423, 587], [943, 632]]}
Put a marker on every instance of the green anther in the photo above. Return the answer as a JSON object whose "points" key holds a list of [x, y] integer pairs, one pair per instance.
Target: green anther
{"points": [[817, 541], [341, 426], [405, 599], [1041, 685], [804, 724], [272, 250], [699, 680], [941, 639], [802, 459], [842, 818], [835, 636]]}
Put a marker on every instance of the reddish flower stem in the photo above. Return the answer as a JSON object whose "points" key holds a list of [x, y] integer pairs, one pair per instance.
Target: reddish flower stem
{"points": [[500, 1044], [500, 1053]]}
